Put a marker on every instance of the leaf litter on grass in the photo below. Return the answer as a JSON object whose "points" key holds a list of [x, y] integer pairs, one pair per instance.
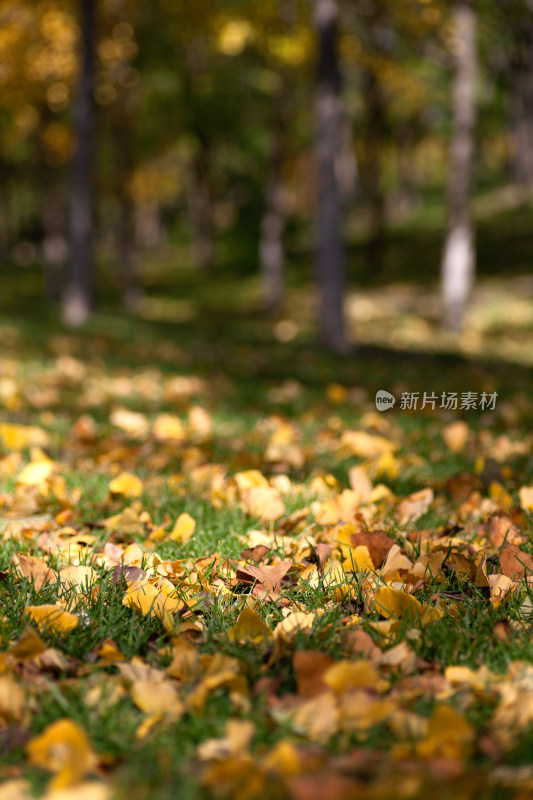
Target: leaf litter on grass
{"points": [[366, 642]]}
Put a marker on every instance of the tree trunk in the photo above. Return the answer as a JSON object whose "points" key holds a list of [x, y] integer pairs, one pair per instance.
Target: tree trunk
{"points": [[79, 295], [271, 248], [129, 285], [331, 266], [374, 142], [521, 75], [201, 209], [54, 244], [459, 254], [125, 222]]}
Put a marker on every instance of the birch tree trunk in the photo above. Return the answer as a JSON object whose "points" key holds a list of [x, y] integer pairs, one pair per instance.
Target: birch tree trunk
{"points": [[79, 294], [457, 269], [331, 266]]}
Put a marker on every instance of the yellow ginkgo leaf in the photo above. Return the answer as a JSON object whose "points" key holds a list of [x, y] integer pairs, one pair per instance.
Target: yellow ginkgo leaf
{"points": [[297, 622], [358, 559], [63, 748], [80, 576], [249, 628], [149, 599], [157, 698], [53, 618], [249, 479], [126, 484], [168, 428], [317, 718], [525, 493], [12, 700], [239, 734], [183, 529], [345, 675], [450, 735], [455, 435], [263, 502], [391, 602], [35, 473], [17, 437], [141, 595]]}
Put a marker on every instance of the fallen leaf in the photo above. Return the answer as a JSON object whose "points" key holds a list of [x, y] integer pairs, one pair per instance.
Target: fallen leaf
{"points": [[360, 482], [78, 576], [449, 735], [157, 698], [29, 645], [341, 508], [133, 423], [390, 602], [168, 428], [455, 435], [36, 473], [249, 627], [501, 530], [515, 563], [269, 577], [263, 502], [525, 494], [414, 506], [12, 700], [64, 749], [295, 623], [237, 739], [37, 570], [317, 718], [309, 669], [345, 675], [499, 585], [126, 484], [53, 618], [366, 445], [183, 529], [377, 542]]}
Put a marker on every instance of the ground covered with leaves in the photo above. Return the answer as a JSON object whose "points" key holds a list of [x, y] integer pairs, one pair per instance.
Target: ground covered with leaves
{"points": [[225, 574]]}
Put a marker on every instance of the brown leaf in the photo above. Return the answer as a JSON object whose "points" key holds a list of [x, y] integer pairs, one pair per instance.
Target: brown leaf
{"points": [[256, 553], [37, 570], [514, 563], [460, 487], [378, 544], [500, 530], [29, 645], [128, 573], [360, 642], [323, 784], [309, 668], [414, 506], [269, 577]]}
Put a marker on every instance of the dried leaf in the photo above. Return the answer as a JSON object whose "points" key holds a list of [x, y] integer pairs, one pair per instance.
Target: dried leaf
{"points": [[378, 544], [64, 749], [515, 563], [53, 618], [249, 628], [126, 484], [183, 529], [414, 506]]}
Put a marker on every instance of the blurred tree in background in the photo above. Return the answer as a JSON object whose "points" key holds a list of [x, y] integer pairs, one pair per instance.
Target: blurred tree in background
{"points": [[253, 133]]}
